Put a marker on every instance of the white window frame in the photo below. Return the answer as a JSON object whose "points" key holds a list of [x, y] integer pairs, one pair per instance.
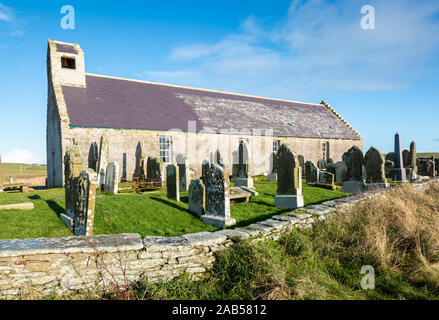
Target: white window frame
{"points": [[165, 147], [325, 150]]}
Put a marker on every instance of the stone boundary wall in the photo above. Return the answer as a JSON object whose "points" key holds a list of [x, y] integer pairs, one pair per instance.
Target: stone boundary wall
{"points": [[82, 263]]}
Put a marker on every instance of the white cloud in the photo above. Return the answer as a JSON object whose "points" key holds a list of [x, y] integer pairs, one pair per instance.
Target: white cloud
{"points": [[5, 13], [321, 47], [22, 156], [17, 33]]}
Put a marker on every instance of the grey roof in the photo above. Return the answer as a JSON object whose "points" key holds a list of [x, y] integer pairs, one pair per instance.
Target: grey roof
{"points": [[123, 104], [65, 48]]}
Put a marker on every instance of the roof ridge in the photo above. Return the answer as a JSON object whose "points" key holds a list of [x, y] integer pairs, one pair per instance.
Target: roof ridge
{"points": [[330, 108], [201, 89]]}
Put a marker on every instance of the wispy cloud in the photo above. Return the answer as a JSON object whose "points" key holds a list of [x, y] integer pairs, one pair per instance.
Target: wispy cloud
{"points": [[6, 14], [320, 46], [22, 156]]}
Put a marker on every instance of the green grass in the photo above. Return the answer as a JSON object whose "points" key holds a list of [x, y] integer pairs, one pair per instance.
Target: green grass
{"points": [[147, 214], [428, 154], [11, 169]]}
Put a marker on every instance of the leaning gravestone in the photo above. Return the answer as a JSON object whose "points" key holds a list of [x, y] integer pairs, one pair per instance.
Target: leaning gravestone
{"points": [[354, 174], [154, 171], [139, 170], [289, 180], [112, 178], [326, 177], [217, 198], [197, 197], [405, 158], [72, 169], [388, 167], [243, 179], [172, 182], [398, 172], [375, 170], [104, 154]]}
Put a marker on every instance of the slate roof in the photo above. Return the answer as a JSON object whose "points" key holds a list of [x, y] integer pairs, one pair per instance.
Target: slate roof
{"points": [[124, 104], [65, 48]]}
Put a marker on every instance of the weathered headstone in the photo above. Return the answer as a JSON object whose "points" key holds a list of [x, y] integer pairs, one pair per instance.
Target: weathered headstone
{"points": [[154, 171], [353, 158], [204, 168], [388, 167], [93, 157], [321, 164], [311, 173], [72, 169], [112, 178], [398, 172], [85, 200], [217, 198], [243, 179], [104, 153], [289, 180], [197, 197], [272, 176], [301, 161], [80, 193], [375, 171], [172, 182], [405, 158], [183, 171], [390, 156], [341, 170], [139, 170]]}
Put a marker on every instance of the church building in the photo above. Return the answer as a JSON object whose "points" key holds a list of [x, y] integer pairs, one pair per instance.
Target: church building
{"points": [[142, 119]]}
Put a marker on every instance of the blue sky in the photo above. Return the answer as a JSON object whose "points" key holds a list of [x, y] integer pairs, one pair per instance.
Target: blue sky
{"points": [[381, 81]]}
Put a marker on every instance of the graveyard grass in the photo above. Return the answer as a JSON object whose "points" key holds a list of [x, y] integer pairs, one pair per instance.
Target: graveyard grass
{"points": [[147, 214]]}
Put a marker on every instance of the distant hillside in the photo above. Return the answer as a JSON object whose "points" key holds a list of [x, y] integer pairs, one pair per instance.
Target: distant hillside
{"points": [[428, 154]]}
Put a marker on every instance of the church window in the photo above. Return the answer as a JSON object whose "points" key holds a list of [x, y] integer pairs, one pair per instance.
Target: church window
{"points": [[165, 148], [68, 63]]}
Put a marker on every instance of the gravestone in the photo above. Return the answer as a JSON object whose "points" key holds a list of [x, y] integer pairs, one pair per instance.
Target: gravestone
{"points": [[321, 164], [139, 171], [326, 177], [93, 157], [197, 197], [154, 171], [218, 159], [172, 182], [183, 171], [204, 168], [104, 152], [217, 198], [388, 167], [72, 169], [398, 172], [80, 193], [85, 200], [243, 179], [311, 173], [412, 158], [375, 170], [289, 180], [391, 156], [405, 158], [341, 170], [112, 178], [273, 175], [353, 158]]}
